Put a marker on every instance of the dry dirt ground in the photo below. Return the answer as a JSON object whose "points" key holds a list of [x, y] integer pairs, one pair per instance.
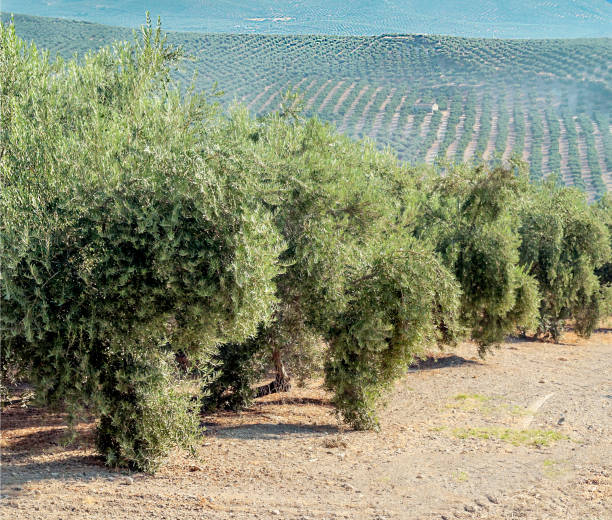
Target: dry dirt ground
{"points": [[524, 434]]}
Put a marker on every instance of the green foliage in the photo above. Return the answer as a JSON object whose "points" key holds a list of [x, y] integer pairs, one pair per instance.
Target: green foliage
{"points": [[347, 251], [603, 211], [125, 228], [138, 222], [237, 370], [563, 241], [468, 216], [334, 206], [145, 412], [536, 438], [404, 302]]}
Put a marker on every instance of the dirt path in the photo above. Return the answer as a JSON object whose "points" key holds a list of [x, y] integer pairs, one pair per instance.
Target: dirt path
{"points": [[452, 148], [396, 116], [490, 148], [527, 143], [585, 168], [343, 97], [330, 95], [311, 101], [440, 454], [362, 118], [376, 125], [468, 153]]}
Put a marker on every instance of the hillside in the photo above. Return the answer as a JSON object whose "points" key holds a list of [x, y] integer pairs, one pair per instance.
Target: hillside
{"points": [[487, 18], [548, 101]]}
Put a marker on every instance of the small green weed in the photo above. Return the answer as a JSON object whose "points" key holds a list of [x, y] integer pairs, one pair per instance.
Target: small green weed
{"points": [[461, 476], [437, 428], [486, 405], [516, 410]]}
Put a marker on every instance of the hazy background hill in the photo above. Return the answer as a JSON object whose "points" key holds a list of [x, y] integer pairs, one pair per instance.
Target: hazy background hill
{"points": [[547, 101], [483, 18]]}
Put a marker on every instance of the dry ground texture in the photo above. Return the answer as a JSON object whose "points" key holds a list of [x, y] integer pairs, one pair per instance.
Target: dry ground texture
{"points": [[524, 434]]}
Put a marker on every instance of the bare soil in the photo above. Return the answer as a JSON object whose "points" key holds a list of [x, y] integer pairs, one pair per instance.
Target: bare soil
{"points": [[449, 447]]}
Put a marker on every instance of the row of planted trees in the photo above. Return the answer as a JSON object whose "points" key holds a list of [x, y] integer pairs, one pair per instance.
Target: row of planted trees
{"points": [[140, 225]]}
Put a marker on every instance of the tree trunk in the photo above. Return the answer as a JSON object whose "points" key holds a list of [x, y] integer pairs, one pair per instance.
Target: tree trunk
{"points": [[282, 381]]}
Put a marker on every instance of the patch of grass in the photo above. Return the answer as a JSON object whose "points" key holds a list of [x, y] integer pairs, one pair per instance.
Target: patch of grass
{"points": [[476, 397], [554, 469], [437, 428], [516, 437], [461, 476], [484, 404], [515, 409], [470, 402]]}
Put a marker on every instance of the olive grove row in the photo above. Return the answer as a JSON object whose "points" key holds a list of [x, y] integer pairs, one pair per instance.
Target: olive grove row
{"points": [[140, 225]]}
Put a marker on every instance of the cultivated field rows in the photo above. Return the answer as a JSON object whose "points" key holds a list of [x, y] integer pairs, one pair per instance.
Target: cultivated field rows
{"points": [[473, 125], [545, 101]]}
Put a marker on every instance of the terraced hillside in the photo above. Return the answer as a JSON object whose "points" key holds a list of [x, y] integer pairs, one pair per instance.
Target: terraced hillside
{"points": [[547, 101]]}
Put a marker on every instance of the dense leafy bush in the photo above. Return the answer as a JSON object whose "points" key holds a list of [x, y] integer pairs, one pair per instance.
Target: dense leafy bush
{"points": [[468, 216], [603, 211], [403, 303], [144, 412], [563, 241], [231, 386], [127, 231]]}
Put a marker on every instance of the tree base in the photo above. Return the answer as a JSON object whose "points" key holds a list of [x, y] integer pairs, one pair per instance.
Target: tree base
{"points": [[278, 385]]}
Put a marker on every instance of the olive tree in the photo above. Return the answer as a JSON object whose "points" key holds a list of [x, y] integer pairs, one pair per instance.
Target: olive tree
{"points": [[348, 263], [603, 210], [469, 216], [563, 242], [128, 232]]}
